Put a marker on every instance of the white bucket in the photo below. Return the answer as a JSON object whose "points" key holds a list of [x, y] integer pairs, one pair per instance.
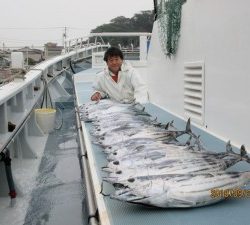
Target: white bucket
{"points": [[45, 119]]}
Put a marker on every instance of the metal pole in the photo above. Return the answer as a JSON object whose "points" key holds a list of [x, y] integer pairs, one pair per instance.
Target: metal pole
{"points": [[120, 34], [5, 157], [155, 10], [64, 36], [27, 57], [84, 162]]}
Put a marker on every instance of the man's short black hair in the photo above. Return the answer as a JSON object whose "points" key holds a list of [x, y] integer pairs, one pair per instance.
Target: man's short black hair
{"points": [[111, 52]]}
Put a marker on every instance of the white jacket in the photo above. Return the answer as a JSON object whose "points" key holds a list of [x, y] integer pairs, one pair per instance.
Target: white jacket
{"points": [[129, 87]]}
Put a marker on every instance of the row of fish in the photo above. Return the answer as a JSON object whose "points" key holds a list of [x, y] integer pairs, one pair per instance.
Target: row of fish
{"points": [[156, 164]]}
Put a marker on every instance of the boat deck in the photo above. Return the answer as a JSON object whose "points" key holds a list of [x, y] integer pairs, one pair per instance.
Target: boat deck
{"points": [[58, 195], [50, 190], [230, 211]]}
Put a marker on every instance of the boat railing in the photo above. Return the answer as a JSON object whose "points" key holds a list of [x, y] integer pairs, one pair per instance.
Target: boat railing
{"points": [[78, 43], [75, 47], [130, 51], [20, 95], [85, 46]]}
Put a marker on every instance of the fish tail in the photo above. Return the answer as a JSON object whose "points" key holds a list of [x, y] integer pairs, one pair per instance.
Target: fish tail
{"points": [[186, 131], [229, 148], [188, 127], [243, 154], [170, 126], [199, 144], [167, 126]]}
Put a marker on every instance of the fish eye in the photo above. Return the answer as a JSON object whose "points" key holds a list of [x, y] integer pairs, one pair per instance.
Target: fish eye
{"points": [[117, 185], [131, 180]]}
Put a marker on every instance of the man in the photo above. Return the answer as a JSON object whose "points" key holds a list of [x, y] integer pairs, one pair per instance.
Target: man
{"points": [[119, 81]]}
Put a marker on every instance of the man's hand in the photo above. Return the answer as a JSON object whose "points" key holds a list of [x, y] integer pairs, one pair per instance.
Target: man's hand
{"points": [[96, 96]]}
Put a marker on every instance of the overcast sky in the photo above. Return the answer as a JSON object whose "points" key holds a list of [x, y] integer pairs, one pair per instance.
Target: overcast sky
{"points": [[35, 22]]}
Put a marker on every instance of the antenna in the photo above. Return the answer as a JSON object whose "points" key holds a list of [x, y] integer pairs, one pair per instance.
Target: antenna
{"points": [[64, 36]]}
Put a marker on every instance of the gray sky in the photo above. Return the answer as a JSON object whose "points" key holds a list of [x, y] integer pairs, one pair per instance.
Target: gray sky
{"points": [[35, 22]]}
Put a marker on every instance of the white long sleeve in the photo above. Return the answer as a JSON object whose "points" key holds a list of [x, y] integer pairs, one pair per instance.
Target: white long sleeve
{"points": [[130, 86]]}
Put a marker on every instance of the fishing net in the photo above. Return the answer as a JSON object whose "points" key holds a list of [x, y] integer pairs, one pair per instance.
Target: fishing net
{"points": [[169, 23]]}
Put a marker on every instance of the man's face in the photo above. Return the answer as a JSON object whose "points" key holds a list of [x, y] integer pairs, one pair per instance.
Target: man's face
{"points": [[114, 64]]}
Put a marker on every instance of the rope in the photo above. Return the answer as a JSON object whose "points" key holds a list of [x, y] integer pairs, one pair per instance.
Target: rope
{"points": [[169, 24]]}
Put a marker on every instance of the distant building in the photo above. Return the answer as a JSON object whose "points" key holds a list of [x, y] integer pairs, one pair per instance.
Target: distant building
{"points": [[5, 75], [4, 62], [51, 50], [34, 56], [5, 52], [4, 58]]}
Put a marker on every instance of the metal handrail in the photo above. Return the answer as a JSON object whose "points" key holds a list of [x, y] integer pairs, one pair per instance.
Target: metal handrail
{"points": [[92, 208], [120, 34], [78, 44]]}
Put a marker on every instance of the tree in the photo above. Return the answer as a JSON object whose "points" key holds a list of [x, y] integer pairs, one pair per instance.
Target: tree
{"points": [[31, 61], [140, 22], [143, 22]]}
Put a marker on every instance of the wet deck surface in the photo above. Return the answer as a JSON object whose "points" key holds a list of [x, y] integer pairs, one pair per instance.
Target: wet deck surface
{"points": [[229, 212], [58, 198]]}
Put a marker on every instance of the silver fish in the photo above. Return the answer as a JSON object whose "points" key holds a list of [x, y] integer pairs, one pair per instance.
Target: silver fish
{"points": [[182, 191]]}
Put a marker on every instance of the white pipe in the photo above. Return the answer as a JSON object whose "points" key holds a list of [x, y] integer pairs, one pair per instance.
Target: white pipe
{"points": [[118, 34]]}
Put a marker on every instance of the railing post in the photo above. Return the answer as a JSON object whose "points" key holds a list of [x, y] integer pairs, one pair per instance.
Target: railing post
{"points": [[143, 48]]}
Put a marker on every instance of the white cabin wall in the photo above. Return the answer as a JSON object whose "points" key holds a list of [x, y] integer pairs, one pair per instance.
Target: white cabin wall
{"points": [[218, 33]]}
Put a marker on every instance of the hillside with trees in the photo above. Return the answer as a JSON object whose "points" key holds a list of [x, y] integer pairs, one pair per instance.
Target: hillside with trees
{"points": [[140, 22]]}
